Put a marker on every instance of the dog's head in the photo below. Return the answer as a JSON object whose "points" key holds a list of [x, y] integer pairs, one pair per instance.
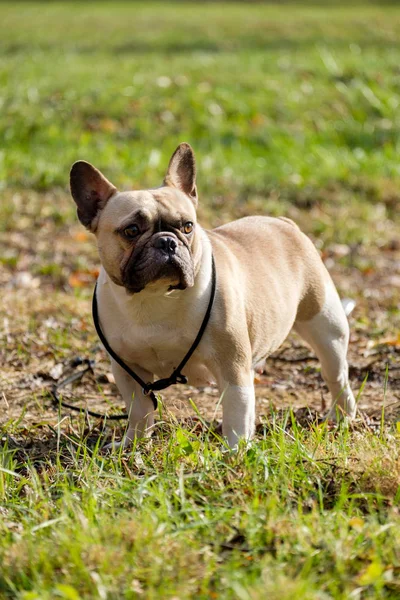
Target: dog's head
{"points": [[146, 239]]}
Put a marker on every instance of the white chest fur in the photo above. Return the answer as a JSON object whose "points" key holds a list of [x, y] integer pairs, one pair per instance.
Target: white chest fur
{"points": [[155, 328]]}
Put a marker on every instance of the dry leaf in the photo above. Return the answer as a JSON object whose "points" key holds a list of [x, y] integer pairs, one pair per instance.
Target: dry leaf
{"points": [[83, 278], [80, 236], [356, 523]]}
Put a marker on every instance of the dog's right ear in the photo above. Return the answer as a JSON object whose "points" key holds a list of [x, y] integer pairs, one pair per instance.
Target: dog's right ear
{"points": [[181, 172], [90, 190]]}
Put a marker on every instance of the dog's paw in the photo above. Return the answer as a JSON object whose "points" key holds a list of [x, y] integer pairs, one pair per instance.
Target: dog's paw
{"points": [[128, 441], [240, 448], [121, 445], [113, 446], [337, 415]]}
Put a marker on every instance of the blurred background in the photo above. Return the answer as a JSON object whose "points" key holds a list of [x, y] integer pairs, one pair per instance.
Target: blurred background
{"points": [[291, 109]]}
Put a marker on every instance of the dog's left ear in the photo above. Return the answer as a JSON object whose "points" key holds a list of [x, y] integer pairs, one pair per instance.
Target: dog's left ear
{"points": [[90, 190], [181, 172]]}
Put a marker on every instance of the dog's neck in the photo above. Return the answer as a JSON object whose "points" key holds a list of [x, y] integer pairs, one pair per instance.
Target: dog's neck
{"points": [[155, 303]]}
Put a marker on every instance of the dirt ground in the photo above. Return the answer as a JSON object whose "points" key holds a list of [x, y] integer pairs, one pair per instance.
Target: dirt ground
{"points": [[46, 322]]}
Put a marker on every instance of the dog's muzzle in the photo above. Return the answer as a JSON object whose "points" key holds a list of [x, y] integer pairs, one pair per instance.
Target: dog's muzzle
{"points": [[162, 257]]}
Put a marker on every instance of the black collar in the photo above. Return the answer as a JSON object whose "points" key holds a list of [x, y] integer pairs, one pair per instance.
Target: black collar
{"points": [[176, 376]]}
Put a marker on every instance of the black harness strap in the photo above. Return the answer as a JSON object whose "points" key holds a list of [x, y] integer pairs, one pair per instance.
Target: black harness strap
{"points": [[54, 390], [176, 376], [95, 314]]}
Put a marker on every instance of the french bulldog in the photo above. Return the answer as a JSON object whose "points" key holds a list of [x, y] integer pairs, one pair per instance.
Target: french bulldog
{"points": [[155, 284]]}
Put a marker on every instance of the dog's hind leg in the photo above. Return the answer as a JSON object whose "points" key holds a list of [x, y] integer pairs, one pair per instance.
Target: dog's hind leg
{"points": [[328, 335]]}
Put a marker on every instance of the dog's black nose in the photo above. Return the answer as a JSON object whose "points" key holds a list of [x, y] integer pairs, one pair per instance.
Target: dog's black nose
{"points": [[167, 244]]}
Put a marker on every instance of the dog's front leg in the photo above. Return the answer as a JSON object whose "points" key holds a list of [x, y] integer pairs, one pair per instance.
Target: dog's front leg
{"points": [[139, 407], [238, 405]]}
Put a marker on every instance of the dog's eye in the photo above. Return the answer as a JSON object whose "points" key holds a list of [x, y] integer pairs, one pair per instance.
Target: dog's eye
{"points": [[131, 231], [188, 227]]}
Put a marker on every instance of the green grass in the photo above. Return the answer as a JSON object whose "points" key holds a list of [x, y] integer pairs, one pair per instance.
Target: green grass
{"points": [[292, 110], [298, 514], [280, 103]]}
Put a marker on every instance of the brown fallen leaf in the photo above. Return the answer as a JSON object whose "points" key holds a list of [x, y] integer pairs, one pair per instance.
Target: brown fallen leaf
{"points": [[80, 236], [388, 341], [83, 278]]}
